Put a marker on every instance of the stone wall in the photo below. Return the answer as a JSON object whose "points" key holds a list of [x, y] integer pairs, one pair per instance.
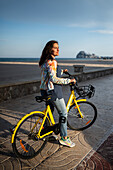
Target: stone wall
{"points": [[18, 90], [21, 89], [94, 74]]}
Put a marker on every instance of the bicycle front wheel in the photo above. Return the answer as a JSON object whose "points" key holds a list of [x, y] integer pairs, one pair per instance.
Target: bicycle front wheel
{"points": [[89, 113], [26, 145]]}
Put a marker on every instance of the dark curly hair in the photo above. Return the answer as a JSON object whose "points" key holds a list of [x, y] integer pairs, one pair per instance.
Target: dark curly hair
{"points": [[46, 53]]}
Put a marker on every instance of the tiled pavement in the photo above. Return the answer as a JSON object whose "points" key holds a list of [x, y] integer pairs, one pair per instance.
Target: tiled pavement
{"points": [[94, 146], [101, 159]]}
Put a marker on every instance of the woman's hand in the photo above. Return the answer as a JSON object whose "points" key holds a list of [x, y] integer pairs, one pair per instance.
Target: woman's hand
{"points": [[72, 81], [65, 70]]}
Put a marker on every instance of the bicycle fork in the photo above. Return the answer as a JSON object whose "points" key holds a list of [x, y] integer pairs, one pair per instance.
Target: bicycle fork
{"points": [[72, 100]]}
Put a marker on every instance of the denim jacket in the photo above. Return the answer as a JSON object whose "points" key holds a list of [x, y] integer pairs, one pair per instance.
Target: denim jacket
{"points": [[48, 76]]}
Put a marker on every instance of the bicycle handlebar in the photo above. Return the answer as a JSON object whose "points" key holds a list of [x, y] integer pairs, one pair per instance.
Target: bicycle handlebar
{"points": [[82, 91], [71, 76]]}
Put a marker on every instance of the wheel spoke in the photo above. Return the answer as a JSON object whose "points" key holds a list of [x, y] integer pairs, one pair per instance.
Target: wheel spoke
{"points": [[26, 145], [89, 113]]}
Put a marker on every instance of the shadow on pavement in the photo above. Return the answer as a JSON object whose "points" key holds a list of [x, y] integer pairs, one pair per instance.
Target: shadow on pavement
{"points": [[86, 140]]}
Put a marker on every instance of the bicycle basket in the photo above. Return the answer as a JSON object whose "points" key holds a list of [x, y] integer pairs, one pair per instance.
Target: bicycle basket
{"points": [[85, 91]]}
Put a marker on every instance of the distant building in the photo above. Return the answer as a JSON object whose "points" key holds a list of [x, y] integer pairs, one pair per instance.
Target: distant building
{"points": [[83, 54]]}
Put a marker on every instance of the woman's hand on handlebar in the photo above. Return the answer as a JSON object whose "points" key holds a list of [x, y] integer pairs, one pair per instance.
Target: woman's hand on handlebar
{"points": [[73, 81], [65, 70]]}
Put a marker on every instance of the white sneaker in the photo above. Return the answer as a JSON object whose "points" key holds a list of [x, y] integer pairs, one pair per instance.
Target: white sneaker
{"points": [[66, 142]]}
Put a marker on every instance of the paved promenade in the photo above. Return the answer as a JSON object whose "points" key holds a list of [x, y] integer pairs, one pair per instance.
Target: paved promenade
{"points": [[94, 146], [18, 72]]}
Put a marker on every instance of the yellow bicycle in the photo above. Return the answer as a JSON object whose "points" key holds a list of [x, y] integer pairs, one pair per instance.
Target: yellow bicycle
{"points": [[32, 131]]}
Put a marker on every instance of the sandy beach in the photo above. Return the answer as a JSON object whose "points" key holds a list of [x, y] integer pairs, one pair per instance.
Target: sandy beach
{"points": [[13, 72]]}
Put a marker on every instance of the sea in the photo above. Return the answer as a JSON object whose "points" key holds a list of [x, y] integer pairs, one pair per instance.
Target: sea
{"points": [[19, 59], [35, 59]]}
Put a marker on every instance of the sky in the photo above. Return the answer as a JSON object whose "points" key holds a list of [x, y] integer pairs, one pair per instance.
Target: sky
{"points": [[78, 25]]}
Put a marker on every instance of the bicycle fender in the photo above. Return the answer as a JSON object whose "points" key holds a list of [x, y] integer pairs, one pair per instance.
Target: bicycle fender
{"points": [[81, 100], [21, 120]]}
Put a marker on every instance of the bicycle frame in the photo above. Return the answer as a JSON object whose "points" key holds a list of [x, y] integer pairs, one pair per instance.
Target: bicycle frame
{"points": [[72, 99], [51, 121]]}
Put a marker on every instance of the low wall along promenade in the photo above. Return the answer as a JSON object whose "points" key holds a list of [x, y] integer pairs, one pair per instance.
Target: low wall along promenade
{"points": [[15, 90]]}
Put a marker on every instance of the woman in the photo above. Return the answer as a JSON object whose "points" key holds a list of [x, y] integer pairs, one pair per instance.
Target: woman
{"points": [[51, 82]]}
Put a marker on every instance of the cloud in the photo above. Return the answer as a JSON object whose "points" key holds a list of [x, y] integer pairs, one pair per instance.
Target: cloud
{"points": [[86, 24], [103, 31]]}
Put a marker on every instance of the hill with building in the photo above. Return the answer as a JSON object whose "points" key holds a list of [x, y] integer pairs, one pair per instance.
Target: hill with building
{"points": [[83, 54]]}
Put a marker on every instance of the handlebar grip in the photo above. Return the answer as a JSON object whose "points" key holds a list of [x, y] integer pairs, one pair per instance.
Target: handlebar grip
{"points": [[70, 76], [76, 81], [67, 73]]}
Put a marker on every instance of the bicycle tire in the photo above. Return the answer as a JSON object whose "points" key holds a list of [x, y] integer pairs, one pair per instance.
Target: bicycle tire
{"points": [[26, 145], [89, 111]]}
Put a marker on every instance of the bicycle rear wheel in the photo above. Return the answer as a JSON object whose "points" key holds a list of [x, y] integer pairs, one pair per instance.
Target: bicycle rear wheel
{"points": [[89, 113], [26, 145]]}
